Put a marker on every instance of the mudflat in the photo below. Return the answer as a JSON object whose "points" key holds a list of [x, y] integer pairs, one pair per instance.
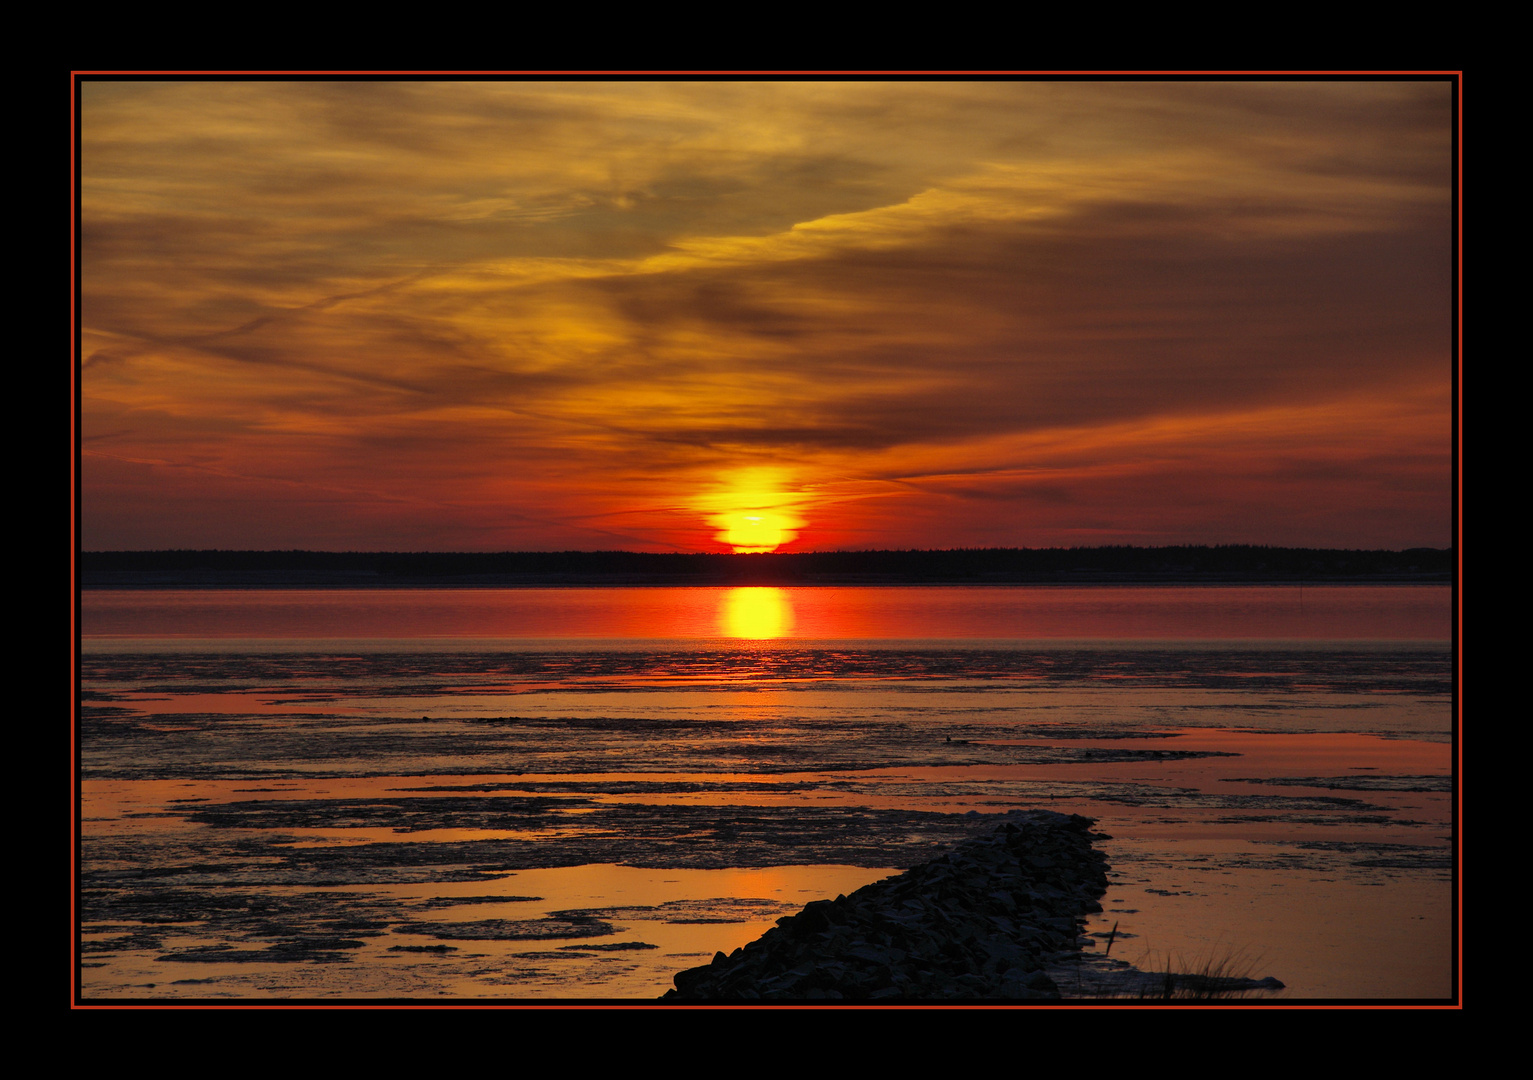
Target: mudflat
{"points": [[371, 822]]}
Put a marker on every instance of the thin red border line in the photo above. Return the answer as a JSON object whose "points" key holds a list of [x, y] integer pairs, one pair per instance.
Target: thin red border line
{"points": [[805, 73], [74, 524], [74, 570], [1458, 299], [1458, 703], [956, 1007]]}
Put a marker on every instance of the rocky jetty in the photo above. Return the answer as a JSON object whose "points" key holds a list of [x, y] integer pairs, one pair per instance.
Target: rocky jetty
{"points": [[982, 921]]}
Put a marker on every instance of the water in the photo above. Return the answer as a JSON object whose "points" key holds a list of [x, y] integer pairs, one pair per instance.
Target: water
{"points": [[574, 793], [648, 614]]}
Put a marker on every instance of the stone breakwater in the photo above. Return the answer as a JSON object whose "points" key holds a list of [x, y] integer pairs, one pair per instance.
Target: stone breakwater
{"points": [[982, 921]]}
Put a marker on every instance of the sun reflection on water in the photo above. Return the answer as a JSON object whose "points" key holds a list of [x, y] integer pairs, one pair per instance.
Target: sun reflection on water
{"points": [[756, 613]]}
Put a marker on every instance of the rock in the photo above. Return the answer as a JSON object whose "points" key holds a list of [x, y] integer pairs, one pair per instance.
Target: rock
{"points": [[980, 922]]}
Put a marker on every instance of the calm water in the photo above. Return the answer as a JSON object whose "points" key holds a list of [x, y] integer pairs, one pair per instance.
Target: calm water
{"points": [[575, 793], [1012, 613]]}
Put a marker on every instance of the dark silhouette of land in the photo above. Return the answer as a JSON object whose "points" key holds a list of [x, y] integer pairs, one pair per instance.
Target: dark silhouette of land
{"points": [[1225, 564]]}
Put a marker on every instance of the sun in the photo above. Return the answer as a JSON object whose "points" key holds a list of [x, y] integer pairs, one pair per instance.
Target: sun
{"points": [[754, 532], [754, 511]]}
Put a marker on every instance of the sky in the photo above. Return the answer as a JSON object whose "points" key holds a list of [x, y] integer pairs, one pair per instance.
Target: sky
{"points": [[748, 316]]}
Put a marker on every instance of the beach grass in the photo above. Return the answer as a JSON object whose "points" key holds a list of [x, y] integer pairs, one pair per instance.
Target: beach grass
{"points": [[1222, 973]]}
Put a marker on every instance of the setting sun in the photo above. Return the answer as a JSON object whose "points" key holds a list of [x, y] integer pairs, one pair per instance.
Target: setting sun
{"points": [[754, 512], [753, 532]]}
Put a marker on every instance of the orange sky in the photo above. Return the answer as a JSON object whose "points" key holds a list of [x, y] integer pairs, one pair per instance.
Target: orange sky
{"points": [[710, 316]]}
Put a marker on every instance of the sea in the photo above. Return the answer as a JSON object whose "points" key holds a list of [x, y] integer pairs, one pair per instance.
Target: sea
{"points": [[546, 794]]}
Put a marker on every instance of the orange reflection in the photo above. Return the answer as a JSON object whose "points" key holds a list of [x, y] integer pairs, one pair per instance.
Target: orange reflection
{"points": [[756, 613]]}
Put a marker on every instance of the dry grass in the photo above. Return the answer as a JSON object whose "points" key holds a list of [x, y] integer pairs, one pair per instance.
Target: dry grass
{"points": [[1222, 974]]}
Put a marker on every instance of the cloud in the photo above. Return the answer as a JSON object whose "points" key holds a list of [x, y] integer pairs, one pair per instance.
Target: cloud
{"points": [[595, 298]]}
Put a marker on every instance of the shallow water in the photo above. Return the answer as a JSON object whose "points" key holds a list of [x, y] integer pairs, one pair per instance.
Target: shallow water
{"points": [[292, 795], [1013, 613]]}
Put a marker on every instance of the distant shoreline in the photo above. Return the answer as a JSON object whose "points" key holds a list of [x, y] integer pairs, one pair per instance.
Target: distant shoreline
{"points": [[1226, 565]]}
